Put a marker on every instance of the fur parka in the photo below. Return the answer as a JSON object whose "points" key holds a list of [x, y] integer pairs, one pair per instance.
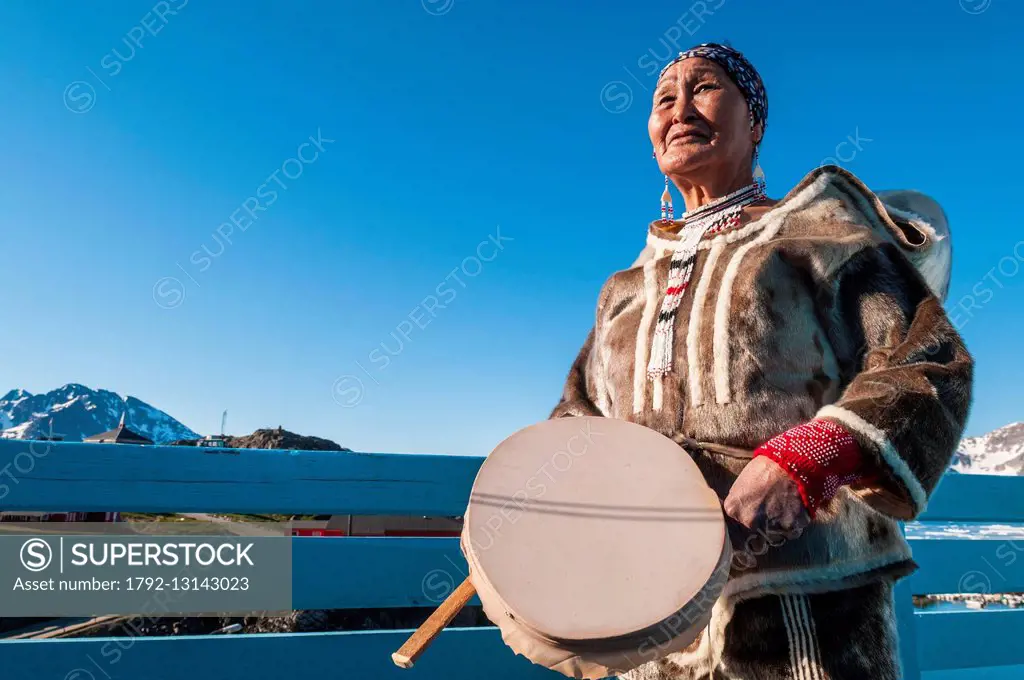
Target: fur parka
{"points": [[827, 306]]}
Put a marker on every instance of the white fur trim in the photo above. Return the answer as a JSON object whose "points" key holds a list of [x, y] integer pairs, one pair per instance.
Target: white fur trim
{"points": [[803, 646], [730, 236], [804, 658], [803, 581], [813, 659], [605, 397], [791, 637], [737, 234], [696, 318], [812, 630], [658, 393], [723, 310], [915, 219], [642, 332], [663, 243], [772, 223], [899, 467]]}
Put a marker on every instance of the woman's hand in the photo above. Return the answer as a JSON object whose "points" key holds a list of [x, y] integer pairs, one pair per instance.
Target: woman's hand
{"points": [[765, 497]]}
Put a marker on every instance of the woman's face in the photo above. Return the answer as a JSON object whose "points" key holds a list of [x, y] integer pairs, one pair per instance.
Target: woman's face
{"points": [[700, 123]]}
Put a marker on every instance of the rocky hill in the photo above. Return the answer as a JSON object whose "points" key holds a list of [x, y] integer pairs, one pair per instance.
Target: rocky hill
{"points": [[277, 438]]}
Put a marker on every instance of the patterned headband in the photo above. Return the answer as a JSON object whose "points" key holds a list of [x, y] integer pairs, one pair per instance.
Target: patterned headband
{"points": [[740, 70]]}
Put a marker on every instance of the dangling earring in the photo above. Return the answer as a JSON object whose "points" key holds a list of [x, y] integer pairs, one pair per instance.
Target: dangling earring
{"points": [[667, 211], [667, 214], [666, 198], [666, 204], [759, 179], [758, 172]]}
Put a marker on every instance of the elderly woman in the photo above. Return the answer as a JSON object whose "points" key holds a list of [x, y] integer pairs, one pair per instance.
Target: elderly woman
{"points": [[797, 349]]}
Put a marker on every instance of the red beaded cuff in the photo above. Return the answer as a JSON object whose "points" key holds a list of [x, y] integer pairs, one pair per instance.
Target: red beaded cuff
{"points": [[820, 456]]}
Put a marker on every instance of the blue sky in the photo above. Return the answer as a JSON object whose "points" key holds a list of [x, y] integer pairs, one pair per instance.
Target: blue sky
{"points": [[134, 131]]}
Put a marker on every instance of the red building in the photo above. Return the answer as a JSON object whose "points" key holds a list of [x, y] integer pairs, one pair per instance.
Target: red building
{"points": [[121, 434], [379, 525]]}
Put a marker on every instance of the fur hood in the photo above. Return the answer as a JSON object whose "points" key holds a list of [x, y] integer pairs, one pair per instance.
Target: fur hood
{"points": [[923, 235]]}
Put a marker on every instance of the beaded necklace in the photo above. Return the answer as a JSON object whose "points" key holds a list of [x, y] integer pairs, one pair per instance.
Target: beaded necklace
{"points": [[710, 218]]}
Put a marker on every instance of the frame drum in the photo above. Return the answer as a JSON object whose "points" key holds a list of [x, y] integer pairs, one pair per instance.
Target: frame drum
{"points": [[595, 545]]}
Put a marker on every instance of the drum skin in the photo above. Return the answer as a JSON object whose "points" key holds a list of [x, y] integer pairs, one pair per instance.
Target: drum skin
{"points": [[595, 545]]}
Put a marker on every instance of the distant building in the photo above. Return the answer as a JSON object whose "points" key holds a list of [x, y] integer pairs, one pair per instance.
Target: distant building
{"points": [[119, 435], [212, 441]]}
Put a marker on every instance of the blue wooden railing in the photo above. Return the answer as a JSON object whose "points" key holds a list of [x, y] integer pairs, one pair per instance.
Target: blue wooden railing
{"points": [[355, 572]]}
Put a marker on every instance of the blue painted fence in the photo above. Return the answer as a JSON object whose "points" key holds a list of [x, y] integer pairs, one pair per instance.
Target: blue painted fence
{"points": [[389, 572]]}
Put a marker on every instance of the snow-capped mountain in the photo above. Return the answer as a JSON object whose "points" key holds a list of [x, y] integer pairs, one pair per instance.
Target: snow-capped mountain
{"points": [[76, 411], [1000, 452]]}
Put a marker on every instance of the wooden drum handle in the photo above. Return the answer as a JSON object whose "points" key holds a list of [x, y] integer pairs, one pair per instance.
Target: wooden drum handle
{"points": [[432, 627]]}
